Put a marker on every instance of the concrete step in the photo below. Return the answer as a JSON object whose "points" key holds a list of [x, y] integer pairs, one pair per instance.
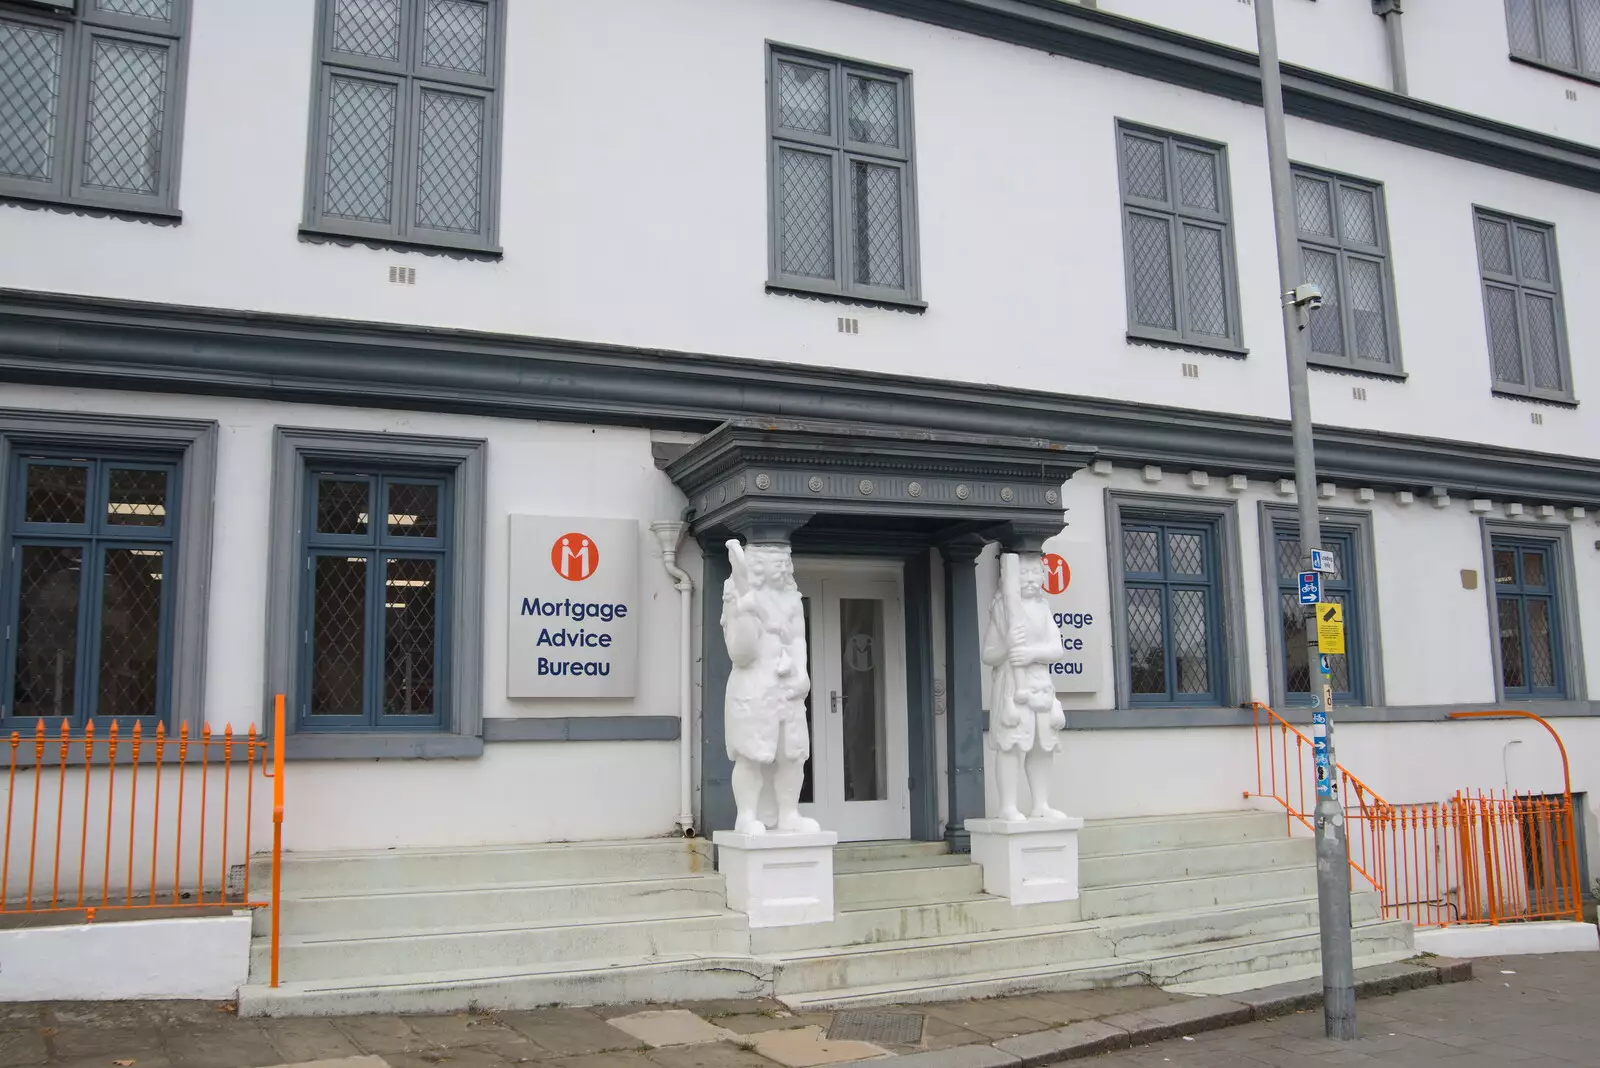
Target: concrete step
{"points": [[1161, 932], [1372, 942], [898, 923], [496, 904], [1266, 854], [908, 881], [1189, 894], [1140, 834], [438, 869], [613, 938], [670, 977], [852, 852], [1234, 984], [831, 968]]}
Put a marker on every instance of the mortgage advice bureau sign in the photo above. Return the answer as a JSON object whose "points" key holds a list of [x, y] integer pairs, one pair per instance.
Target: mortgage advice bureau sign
{"points": [[572, 628], [1072, 576]]}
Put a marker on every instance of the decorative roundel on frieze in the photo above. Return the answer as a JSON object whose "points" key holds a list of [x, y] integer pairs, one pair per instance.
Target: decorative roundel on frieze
{"points": [[865, 486], [1052, 497], [1006, 494], [915, 489], [763, 481], [814, 484], [963, 491]]}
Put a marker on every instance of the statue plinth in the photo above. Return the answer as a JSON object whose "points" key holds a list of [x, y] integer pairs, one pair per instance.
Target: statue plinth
{"points": [[778, 880], [1028, 861]]}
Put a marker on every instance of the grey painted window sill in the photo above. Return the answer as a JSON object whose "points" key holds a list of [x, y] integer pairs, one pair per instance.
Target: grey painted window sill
{"points": [[580, 728], [158, 216], [915, 307], [325, 236], [1356, 371], [1533, 398], [1159, 341], [1565, 72], [395, 745]]}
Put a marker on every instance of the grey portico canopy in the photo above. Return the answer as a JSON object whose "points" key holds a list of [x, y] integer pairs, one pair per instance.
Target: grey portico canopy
{"points": [[828, 483]]}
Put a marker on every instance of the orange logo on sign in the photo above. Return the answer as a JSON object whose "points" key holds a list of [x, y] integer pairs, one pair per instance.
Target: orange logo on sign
{"points": [[1057, 575], [575, 557]]}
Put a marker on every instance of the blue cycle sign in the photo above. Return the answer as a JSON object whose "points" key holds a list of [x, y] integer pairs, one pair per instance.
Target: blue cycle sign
{"points": [[1310, 587]]}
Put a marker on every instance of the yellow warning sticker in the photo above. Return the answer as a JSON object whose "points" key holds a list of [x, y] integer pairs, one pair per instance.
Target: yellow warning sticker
{"points": [[1330, 628]]}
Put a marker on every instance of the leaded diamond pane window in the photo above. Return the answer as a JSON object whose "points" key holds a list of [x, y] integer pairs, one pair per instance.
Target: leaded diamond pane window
{"points": [[1528, 614], [1171, 585], [1344, 251], [1557, 33], [88, 628], [375, 600], [841, 179], [1524, 320], [405, 137], [1337, 588], [1178, 239], [87, 95]]}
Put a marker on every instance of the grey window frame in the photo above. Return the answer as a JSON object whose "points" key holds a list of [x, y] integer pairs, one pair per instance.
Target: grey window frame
{"points": [[412, 78], [1520, 286], [1344, 249], [1177, 216], [82, 24], [1585, 65], [1233, 657], [297, 451], [192, 444], [1558, 538], [1357, 525], [841, 150]]}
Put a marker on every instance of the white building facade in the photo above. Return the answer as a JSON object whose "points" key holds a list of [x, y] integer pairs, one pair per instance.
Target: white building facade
{"points": [[316, 302]]}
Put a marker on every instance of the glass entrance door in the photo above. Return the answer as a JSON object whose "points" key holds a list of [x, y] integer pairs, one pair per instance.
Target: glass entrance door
{"points": [[856, 778]]}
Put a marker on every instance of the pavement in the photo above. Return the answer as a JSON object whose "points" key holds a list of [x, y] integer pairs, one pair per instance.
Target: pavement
{"points": [[1534, 1012]]}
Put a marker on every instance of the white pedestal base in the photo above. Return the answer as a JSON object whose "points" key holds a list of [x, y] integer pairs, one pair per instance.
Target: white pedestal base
{"points": [[778, 880], [1028, 861]]}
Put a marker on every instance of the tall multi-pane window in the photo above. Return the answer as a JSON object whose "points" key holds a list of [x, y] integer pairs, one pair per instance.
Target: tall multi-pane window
{"points": [[91, 102], [1522, 306], [1528, 611], [842, 190], [376, 600], [1178, 239], [1172, 589], [1559, 33], [88, 611], [405, 128], [1339, 588], [1344, 250]]}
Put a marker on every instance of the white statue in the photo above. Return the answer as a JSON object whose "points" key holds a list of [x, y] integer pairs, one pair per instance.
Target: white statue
{"points": [[1020, 645], [763, 623]]}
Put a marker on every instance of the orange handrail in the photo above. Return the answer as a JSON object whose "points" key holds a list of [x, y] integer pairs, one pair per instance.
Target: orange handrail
{"points": [[277, 828], [1476, 858]]}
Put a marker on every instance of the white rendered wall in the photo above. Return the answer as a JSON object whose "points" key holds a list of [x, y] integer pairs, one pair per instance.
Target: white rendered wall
{"points": [[167, 959], [517, 792], [635, 211]]}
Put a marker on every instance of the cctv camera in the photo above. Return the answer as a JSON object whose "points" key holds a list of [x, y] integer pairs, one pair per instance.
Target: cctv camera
{"points": [[1308, 296]]}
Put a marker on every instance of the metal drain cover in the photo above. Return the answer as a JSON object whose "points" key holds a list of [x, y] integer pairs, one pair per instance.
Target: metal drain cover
{"points": [[890, 1028]]}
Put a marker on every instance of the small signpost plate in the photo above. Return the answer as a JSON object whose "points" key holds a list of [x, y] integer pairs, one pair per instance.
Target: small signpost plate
{"points": [[1324, 561], [1310, 587], [1330, 628]]}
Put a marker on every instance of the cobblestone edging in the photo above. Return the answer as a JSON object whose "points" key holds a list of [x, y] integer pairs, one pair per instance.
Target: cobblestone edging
{"points": [[1183, 1018]]}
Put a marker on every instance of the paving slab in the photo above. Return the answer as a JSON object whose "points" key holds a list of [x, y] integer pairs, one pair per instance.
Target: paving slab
{"points": [[805, 1047], [340, 1062], [669, 1027], [308, 1040], [712, 1055], [569, 1032], [381, 1034]]}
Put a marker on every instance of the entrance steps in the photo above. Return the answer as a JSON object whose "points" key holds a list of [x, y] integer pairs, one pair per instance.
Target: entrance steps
{"points": [[1189, 900]]}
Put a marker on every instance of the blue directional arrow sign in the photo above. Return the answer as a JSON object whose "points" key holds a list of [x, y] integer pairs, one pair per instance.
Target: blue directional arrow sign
{"points": [[1310, 587]]}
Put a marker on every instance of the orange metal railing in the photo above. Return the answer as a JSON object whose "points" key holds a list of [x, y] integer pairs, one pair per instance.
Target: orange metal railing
{"points": [[1288, 776], [1478, 857], [134, 819]]}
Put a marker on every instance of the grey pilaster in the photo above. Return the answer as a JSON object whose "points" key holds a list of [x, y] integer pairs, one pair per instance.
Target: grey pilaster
{"points": [[963, 688], [716, 770], [922, 739]]}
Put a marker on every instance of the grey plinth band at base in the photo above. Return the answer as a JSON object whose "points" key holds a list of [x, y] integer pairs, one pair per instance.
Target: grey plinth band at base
{"points": [[1126, 1030]]}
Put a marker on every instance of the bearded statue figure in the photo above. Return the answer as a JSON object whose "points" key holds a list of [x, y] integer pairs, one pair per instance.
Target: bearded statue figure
{"points": [[1020, 644], [764, 717]]}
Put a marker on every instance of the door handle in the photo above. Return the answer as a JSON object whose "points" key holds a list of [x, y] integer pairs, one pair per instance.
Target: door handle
{"points": [[833, 701]]}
